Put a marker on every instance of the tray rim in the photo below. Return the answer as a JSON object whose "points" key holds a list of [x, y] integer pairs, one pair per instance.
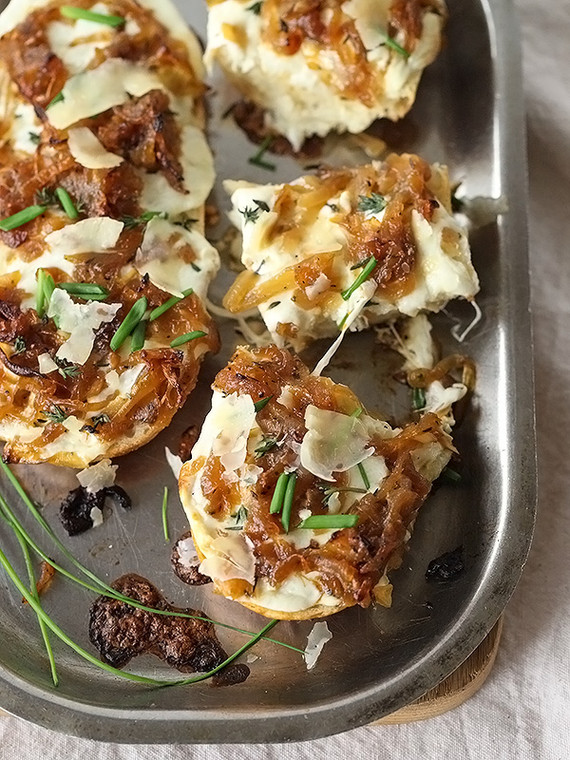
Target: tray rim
{"points": [[138, 726]]}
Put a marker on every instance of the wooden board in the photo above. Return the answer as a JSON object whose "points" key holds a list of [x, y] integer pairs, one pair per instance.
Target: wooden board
{"points": [[454, 691]]}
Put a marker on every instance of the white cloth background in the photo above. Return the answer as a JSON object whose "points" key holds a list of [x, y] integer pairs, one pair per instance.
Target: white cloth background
{"points": [[522, 713]]}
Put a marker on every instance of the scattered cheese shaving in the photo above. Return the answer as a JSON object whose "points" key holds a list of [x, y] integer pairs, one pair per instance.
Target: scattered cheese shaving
{"points": [[95, 235], [98, 476], [318, 637], [89, 152], [46, 364], [174, 462]]}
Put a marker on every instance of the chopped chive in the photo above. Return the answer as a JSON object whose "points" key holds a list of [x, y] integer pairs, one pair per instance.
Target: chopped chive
{"points": [[390, 42], [360, 264], [139, 336], [361, 279], [87, 291], [258, 160], [279, 494], [357, 413], [160, 310], [164, 514], [183, 339], [101, 587], [129, 323], [330, 522], [418, 399], [71, 11], [342, 322], [364, 476], [59, 98], [288, 502], [66, 203], [21, 217], [46, 286], [451, 475], [259, 405]]}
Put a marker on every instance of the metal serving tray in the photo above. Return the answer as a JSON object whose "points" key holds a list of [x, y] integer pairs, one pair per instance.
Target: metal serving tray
{"points": [[469, 115]]}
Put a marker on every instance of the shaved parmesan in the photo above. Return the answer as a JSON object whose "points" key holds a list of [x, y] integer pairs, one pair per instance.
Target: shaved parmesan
{"points": [[226, 430], [122, 384], [430, 460], [96, 90], [187, 552], [230, 558], [95, 235], [98, 476], [174, 462], [89, 152], [80, 321], [46, 364], [199, 175], [440, 399], [319, 286], [333, 443], [318, 637], [96, 516]]}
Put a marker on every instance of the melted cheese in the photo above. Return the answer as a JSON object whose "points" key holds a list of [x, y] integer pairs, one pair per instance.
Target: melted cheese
{"points": [[122, 384], [89, 152], [18, 432], [86, 446], [25, 124], [80, 320]]}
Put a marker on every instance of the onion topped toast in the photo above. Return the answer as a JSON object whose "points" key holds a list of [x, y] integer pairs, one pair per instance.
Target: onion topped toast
{"points": [[349, 248], [103, 265], [299, 502], [321, 65]]}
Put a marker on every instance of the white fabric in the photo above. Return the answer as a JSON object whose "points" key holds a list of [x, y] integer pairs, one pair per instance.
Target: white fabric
{"points": [[522, 711]]}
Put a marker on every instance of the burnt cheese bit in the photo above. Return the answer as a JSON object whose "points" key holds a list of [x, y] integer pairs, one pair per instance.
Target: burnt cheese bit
{"points": [[121, 632], [188, 573], [76, 511], [446, 567]]}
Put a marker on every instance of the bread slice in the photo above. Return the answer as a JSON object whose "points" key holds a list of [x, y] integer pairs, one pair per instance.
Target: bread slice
{"points": [[329, 65], [114, 116], [274, 424]]}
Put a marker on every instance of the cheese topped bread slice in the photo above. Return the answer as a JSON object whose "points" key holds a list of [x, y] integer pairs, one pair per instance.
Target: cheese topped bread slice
{"points": [[316, 66], [349, 247], [300, 502], [104, 170]]}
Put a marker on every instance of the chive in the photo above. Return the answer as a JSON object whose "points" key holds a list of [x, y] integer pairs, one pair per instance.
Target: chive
{"points": [[279, 494], [87, 291], [101, 588], [258, 160], [451, 475], [164, 514], [66, 203], [21, 218], [390, 42], [59, 98], [357, 412], [160, 310], [46, 286], [288, 502], [418, 399], [361, 279], [364, 476], [70, 11], [183, 339], [259, 405], [330, 522], [129, 323], [139, 336]]}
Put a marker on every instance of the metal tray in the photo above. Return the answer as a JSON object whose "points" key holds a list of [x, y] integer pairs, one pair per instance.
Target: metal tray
{"points": [[469, 115]]}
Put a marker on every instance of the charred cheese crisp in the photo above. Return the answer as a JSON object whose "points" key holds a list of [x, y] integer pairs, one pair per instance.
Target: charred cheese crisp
{"points": [[348, 248], [103, 265], [299, 502], [320, 65]]}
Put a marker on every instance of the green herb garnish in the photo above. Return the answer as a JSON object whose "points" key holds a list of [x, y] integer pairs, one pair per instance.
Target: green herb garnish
{"points": [[160, 310], [288, 502], [279, 494], [364, 476], [164, 514], [34, 137], [139, 336], [96, 422], [46, 286], [372, 204], [59, 98], [258, 160], [390, 42], [418, 399], [259, 405], [330, 522], [255, 7], [250, 214], [21, 217], [262, 205], [265, 446], [66, 203], [87, 291], [19, 346], [240, 518], [329, 491], [451, 475], [129, 323], [57, 415], [71, 11], [361, 279], [132, 222], [183, 339], [67, 370]]}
